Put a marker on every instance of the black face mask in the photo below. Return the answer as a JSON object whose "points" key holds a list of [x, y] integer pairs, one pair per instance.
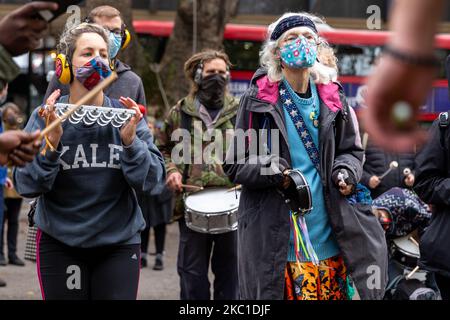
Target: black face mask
{"points": [[212, 91]]}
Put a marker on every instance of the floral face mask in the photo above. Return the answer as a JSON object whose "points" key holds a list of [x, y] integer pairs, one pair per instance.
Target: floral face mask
{"points": [[299, 53]]}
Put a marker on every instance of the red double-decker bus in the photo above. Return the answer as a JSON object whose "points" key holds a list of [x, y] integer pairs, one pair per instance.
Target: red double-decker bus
{"points": [[356, 51]]}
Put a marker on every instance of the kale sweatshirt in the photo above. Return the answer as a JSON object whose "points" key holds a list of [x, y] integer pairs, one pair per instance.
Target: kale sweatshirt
{"points": [[85, 186]]}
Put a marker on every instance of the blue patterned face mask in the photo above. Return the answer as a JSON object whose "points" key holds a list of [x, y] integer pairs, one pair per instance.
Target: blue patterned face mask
{"points": [[299, 53], [115, 42]]}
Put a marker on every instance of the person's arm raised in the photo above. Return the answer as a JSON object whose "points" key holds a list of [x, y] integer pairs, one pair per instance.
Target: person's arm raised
{"points": [[21, 31], [404, 75]]}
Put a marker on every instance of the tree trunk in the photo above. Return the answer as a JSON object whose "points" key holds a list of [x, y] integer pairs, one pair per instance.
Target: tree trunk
{"points": [[211, 17]]}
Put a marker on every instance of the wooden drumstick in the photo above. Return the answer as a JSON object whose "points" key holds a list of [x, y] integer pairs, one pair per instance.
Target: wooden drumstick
{"points": [[413, 241], [417, 267], [237, 187], [191, 186], [392, 165], [409, 275], [91, 94]]}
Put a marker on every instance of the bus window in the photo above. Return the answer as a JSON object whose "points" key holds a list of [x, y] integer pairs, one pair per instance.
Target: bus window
{"points": [[244, 55], [442, 54], [356, 60]]}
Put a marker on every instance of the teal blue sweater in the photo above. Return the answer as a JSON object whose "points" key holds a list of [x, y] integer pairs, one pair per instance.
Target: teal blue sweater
{"points": [[317, 220]]}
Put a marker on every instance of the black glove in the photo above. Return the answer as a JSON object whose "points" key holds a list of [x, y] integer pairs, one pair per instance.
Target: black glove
{"points": [[345, 175]]}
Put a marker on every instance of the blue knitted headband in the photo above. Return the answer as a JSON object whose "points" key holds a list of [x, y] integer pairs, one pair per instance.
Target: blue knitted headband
{"points": [[290, 23]]}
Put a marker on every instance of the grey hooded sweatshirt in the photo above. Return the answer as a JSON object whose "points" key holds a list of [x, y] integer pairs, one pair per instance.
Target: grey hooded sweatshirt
{"points": [[85, 187]]}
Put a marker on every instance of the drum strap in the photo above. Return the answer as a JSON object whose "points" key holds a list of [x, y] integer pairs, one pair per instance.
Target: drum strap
{"points": [[298, 222], [186, 124], [300, 125]]}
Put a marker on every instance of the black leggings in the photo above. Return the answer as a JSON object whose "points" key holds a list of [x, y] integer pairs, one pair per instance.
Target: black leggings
{"points": [[11, 220], [160, 236], [68, 273]]}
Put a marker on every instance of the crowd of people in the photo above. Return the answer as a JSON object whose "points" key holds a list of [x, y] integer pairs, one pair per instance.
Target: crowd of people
{"points": [[318, 199]]}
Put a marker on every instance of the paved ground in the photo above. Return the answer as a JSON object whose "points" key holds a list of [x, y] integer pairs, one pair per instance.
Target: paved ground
{"points": [[22, 283]]}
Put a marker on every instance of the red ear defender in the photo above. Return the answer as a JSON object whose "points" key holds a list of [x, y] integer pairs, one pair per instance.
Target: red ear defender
{"points": [[63, 71], [58, 68]]}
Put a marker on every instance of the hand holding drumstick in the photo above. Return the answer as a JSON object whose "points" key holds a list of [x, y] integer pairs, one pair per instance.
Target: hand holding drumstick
{"points": [[409, 177], [174, 182], [345, 187], [376, 180], [18, 147], [392, 165], [49, 116]]}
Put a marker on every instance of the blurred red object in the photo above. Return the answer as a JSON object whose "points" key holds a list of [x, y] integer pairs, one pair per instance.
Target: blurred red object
{"points": [[143, 109]]}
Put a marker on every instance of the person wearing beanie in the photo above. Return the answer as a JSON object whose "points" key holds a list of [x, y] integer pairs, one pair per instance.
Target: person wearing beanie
{"points": [[298, 255]]}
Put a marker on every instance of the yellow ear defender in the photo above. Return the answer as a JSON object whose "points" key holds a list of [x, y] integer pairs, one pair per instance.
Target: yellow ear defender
{"points": [[126, 39], [111, 64], [63, 69]]}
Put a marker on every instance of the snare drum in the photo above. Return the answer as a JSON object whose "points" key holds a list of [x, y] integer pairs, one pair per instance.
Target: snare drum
{"points": [[213, 210], [405, 252]]}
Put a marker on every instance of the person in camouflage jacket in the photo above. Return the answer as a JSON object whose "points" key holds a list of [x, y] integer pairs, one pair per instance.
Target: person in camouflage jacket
{"points": [[203, 174], [205, 114]]}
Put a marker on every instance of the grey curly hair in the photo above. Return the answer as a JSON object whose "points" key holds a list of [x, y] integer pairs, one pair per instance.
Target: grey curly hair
{"points": [[68, 40], [322, 72]]}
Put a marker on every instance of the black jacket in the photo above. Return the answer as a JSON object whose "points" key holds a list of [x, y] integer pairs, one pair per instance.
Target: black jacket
{"points": [[433, 186], [263, 230], [377, 162], [157, 209]]}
